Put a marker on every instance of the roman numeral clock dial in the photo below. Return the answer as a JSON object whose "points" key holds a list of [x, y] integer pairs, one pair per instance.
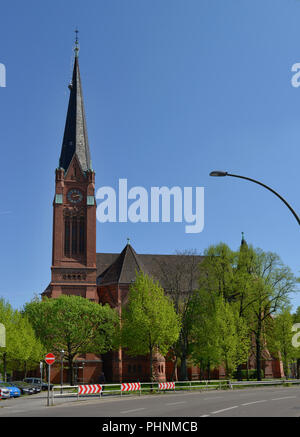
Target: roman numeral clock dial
{"points": [[75, 196]]}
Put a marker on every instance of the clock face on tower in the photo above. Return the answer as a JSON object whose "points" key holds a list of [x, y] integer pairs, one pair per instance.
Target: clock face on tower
{"points": [[75, 196]]}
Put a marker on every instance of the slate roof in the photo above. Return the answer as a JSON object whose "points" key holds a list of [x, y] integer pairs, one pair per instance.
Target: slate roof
{"points": [[75, 138], [113, 268], [123, 267]]}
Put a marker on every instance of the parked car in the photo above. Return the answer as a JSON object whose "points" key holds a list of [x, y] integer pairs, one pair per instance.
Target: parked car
{"points": [[36, 382], [4, 393], [15, 392], [26, 389]]}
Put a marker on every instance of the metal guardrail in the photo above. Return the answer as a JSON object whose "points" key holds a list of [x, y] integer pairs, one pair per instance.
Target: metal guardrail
{"points": [[266, 382], [115, 389], [145, 387]]}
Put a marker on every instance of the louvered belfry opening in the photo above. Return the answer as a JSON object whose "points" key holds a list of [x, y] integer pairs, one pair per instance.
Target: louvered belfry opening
{"points": [[74, 238]]}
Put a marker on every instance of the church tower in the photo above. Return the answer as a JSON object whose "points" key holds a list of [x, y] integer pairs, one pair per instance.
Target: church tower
{"points": [[73, 269]]}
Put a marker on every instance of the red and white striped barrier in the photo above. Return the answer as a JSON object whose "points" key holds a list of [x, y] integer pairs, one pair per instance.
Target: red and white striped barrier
{"points": [[89, 389], [131, 386], [166, 385]]}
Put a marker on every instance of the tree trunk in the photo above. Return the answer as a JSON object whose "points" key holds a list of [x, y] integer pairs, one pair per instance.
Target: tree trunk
{"points": [[151, 368], [208, 371], [239, 372], [70, 370], [173, 376], [151, 364], [227, 370], [201, 371], [285, 367], [183, 368], [298, 368], [258, 354]]}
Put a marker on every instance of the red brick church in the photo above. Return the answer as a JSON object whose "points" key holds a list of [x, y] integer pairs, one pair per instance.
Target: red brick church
{"points": [[76, 267]]}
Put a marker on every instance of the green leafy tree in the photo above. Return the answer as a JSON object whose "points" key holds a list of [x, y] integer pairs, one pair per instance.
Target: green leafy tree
{"points": [[296, 320], [279, 338], [255, 284], [224, 276], [29, 349], [205, 350], [23, 349], [233, 336], [217, 271], [73, 324], [149, 321], [180, 279], [220, 336], [272, 283]]}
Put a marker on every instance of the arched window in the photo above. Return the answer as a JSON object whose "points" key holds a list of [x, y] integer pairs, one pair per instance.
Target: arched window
{"points": [[74, 238], [81, 235], [67, 236]]}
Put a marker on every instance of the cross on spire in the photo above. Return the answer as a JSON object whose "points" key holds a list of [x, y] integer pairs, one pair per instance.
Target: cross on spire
{"points": [[76, 49]]}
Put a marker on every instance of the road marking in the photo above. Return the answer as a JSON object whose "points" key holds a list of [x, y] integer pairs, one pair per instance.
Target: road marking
{"points": [[176, 403], [287, 397], [225, 409], [255, 402], [15, 411], [132, 411], [205, 415]]}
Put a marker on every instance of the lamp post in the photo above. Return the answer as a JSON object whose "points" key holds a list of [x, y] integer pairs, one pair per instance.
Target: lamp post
{"points": [[41, 371], [83, 363], [62, 353], [225, 173]]}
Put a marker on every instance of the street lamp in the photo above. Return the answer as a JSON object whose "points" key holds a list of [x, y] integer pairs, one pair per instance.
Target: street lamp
{"points": [[225, 173], [62, 353]]}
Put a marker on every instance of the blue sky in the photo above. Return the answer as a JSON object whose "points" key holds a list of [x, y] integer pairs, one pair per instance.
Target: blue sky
{"points": [[173, 89]]}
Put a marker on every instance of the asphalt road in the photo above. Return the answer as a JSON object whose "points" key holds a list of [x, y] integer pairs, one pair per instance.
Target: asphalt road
{"points": [[252, 402]]}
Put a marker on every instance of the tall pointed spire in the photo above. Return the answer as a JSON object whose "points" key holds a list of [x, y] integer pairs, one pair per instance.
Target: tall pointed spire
{"points": [[75, 139]]}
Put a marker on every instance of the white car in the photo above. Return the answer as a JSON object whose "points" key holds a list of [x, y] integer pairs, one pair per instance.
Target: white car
{"points": [[4, 393]]}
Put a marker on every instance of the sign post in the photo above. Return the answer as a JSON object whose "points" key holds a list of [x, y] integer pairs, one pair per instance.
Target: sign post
{"points": [[49, 358]]}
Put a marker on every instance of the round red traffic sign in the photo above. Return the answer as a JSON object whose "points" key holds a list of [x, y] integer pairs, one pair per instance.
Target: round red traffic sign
{"points": [[50, 358]]}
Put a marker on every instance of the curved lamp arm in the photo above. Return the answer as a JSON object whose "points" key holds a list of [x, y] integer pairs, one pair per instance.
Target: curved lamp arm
{"points": [[224, 173]]}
